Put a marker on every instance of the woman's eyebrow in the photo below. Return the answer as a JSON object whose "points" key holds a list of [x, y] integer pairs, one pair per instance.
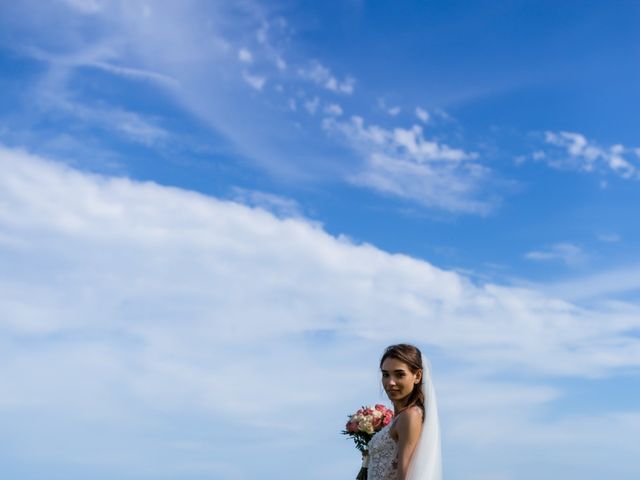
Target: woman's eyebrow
{"points": [[399, 370]]}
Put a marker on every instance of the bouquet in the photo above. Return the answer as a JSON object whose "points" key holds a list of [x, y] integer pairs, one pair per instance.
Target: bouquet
{"points": [[362, 425]]}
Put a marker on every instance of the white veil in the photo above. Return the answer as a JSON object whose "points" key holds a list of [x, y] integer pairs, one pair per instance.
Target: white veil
{"points": [[426, 463]]}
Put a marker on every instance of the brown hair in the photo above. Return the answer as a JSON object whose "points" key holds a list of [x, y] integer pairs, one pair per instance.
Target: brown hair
{"points": [[412, 356]]}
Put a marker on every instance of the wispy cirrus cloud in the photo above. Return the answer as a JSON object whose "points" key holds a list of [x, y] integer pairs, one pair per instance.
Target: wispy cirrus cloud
{"points": [[422, 114], [403, 163], [255, 81], [333, 109], [208, 68], [322, 76], [245, 56], [52, 94], [568, 253], [609, 237], [86, 6], [103, 57], [408, 141], [312, 105], [280, 206], [600, 285], [575, 152], [199, 59]]}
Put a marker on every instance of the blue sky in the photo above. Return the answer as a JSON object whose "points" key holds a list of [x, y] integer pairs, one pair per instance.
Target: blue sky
{"points": [[214, 217]]}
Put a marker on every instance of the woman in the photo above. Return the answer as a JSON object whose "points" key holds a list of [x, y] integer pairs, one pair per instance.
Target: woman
{"points": [[408, 448]]}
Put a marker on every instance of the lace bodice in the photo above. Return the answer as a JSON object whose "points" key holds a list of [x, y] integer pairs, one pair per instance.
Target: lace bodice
{"points": [[382, 456]]}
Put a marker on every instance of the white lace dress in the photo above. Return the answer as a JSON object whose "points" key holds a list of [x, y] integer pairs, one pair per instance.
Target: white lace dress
{"points": [[383, 451]]}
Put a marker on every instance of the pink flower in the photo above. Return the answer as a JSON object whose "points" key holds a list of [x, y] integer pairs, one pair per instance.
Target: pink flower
{"points": [[352, 427], [387, 419], [377, 422], [380, 407]]}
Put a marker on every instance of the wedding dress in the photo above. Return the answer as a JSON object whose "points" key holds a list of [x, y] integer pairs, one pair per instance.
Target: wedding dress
{"points": [[426, 461], [383, 450]]}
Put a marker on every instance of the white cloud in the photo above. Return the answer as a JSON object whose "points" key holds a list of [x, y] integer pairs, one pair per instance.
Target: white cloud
{"points": [[245, 56], [267, 37], [333, 109], [134, 126], [568, 253], [601, 285], [609, 237], [587, 156], [408, 141], [135, 73], [321, 75], [188, 47], [394, 111], [560, 442], [53, 93], [422, 114], [262, 32], [255, 81], [402, 163], [277, 204], [44, 196], [312, 105], [154, 314], [86, 6], [101, 57]]}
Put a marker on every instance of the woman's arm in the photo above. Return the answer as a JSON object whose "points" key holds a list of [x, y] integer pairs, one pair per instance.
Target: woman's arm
{"points": [[409, 426]]}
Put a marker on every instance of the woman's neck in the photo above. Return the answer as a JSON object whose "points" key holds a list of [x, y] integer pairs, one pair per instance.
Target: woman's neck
{"points": [[398, 407]]}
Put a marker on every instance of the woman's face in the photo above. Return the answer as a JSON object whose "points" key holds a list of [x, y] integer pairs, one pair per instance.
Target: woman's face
{"points": [[397, 379]]}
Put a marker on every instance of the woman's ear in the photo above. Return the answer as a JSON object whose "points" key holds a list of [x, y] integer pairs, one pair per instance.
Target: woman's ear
{"points": [[418, 377]]}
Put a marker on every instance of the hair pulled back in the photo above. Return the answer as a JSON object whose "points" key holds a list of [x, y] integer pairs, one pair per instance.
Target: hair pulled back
{"points": [[412, 356]]}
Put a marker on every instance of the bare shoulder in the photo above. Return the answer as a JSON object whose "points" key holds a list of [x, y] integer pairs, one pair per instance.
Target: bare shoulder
{"points": [[409, 420], [411, 415]]}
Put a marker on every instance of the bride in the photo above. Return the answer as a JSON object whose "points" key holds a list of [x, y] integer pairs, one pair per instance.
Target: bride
{"points": [[408, 448]]}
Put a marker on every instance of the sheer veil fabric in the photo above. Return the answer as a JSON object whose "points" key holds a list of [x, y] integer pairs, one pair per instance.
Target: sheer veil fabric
{"points": [[426, 463]]}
